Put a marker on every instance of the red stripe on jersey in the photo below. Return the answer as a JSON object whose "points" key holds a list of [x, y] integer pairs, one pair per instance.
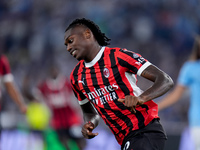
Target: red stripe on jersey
{"points": [[4, 65], [95, 79], [132, 58], [110, 63], [76, 79], [122, 71]]}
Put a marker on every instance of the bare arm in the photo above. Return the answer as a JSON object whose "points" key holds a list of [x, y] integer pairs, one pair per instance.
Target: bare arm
{"points": [[91, 119], [162, 83], [15, 95], [171, 98]]}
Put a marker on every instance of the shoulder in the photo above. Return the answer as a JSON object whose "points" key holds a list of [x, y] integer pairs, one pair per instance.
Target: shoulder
{"points": [[189, 65], [3, 59], [76, 69], [116, 49], [120, 51]]}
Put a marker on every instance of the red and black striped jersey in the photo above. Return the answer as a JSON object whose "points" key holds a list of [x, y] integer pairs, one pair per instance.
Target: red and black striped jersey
{"points": [[5, 72], [57, 94], [109, 76]]}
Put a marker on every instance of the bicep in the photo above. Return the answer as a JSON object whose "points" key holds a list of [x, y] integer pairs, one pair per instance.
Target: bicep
{"points": [[152, 73]]}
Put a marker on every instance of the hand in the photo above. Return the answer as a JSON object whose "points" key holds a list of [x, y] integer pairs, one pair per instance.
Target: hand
{"points": [[131, 102], [87, 130]]}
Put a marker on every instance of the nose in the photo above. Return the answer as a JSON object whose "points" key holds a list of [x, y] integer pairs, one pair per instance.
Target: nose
{"points": [[69, 48]]}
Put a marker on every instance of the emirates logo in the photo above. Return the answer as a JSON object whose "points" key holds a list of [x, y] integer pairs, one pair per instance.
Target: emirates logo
{"points": [[106, 72]]}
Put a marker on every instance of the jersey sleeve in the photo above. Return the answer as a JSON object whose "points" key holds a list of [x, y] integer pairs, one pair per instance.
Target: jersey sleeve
{"points": [[78, 94], [184, 76], [134, 62], [6, 71]]}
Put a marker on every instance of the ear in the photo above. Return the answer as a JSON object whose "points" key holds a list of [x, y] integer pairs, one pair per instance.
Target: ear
{"points": [[87, 34]]}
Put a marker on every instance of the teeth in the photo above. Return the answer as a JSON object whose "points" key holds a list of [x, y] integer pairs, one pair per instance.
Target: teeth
{"points": [[73, 52]]}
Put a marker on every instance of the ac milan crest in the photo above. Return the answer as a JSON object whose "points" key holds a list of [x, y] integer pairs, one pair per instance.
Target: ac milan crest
{"points": [[106, 72]]}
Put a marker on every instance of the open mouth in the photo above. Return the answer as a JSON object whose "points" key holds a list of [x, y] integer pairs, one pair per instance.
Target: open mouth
{"points": [[73, 52]]}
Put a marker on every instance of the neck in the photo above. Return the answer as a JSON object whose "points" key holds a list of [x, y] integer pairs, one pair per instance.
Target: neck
{"points": [[93, 52]]}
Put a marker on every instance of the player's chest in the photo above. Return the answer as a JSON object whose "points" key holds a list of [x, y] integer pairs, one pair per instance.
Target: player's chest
{"points": [[100, 76]]}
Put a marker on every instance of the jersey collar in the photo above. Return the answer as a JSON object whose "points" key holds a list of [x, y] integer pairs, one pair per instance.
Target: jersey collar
{"points": [[96, 58]]}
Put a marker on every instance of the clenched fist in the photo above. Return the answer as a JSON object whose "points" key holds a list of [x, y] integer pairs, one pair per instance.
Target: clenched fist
{"points": [[87, 130]]}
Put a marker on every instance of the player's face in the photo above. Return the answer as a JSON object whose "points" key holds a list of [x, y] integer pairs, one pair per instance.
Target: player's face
{"points": [[77, 43]]}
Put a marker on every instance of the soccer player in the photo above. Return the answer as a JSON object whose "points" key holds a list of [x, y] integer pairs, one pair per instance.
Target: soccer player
{"points": [[8, 80], [189, 77], [56, 92], [104, 81]]}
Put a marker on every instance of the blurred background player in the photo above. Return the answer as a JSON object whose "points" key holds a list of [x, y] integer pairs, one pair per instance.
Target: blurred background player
{"points": [[56, 92], [8, 81], [189, 77]]}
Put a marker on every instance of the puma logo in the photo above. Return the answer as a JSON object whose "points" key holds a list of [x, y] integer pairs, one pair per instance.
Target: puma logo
{"points": [[81, 81]]}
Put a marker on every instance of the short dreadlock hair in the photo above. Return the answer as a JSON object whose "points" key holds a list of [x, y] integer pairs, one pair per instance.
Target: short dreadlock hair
{"points": [[101, 38]]}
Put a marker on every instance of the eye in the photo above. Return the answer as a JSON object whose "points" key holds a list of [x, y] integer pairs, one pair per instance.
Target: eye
{"points": [[70, 41]]}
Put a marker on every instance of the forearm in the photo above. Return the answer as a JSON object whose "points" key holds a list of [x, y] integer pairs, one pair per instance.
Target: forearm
{"points": [[172, 98], [90, 114], [15, 94], [93, 118], [168, 101], [161, 85]]}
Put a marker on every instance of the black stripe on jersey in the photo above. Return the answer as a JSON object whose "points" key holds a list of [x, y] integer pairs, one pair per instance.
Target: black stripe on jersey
{"points": [[140, 118], [119, 128], [80, 93], [76, 71], [126, 52], [73, 89], [106, 105], [83, 76], [123, 87], [134, 56], [87, 90], [116, 74], [76, 81], [109, 124], [146, 107], [124, 63], [94, 81]]}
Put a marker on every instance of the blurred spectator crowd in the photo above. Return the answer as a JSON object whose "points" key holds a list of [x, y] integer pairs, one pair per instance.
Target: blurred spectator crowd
{"points": [[162, 31]]}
